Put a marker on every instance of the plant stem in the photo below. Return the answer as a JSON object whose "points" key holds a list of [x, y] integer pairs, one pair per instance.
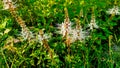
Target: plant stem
{"points": [[4, 58]]}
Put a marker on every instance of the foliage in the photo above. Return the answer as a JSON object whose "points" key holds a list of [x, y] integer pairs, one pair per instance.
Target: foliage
{"points": [[47, 48]]}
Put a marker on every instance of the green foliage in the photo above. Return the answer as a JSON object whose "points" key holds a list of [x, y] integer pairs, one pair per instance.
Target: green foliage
{"points": [[96, 51]]}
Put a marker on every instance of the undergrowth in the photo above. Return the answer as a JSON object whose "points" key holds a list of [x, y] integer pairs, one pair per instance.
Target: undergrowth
{"points": [[59, 34]]}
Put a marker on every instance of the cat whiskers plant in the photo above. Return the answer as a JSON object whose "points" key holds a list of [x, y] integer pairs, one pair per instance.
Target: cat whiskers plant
{"points": [[78, 33], [25, 33], [115, 10], [66, 30], [43, 38], [65, 27], [92, 23], [7, 4]]}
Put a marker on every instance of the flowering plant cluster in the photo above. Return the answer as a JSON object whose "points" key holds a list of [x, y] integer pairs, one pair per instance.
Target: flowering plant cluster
{"points": [[33, 34]]}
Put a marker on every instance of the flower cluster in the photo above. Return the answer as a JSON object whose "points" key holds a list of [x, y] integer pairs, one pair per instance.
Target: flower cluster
{"points": [[37, 37], [65, 28], [93, 23], [115, 10], [78, 34], [71, 33], [74, 34], [26, 34], [41, 36], [8, 4]]}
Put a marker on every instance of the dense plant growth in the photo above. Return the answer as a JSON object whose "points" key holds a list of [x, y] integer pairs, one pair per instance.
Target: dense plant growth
{"points": [[59, 33]]}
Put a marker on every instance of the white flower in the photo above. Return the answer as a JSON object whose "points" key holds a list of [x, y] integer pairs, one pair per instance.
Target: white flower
{"points": [[78, 34], [93, 24], [115, 10], [7, 4], [45, 36], [26, 34], [65, 28], [41, 35], [40, 38]]}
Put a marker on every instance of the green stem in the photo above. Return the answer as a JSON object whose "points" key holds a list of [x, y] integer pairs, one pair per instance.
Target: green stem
{"points": [[4, 58]]}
